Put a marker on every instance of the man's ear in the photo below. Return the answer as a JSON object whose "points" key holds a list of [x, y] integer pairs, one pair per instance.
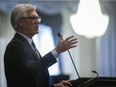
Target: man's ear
{"points": [[19, 22]]}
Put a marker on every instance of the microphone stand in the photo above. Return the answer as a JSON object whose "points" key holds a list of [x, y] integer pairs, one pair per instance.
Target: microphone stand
{"points": [[59, 34], [73, 64]]}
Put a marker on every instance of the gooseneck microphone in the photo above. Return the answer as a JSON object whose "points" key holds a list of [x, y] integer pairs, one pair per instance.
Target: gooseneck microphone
{"points": [[96, 73], [59, 34]]}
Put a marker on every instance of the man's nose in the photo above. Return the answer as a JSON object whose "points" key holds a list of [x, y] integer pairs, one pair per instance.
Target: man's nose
{"points": [[38, 20]]}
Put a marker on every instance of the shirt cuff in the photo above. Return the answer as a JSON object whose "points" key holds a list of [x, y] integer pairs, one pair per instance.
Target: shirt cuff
{"points": [[55, 54]]}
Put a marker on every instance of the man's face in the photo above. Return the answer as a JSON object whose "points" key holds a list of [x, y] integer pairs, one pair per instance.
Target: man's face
{"points": [[29, 25]]}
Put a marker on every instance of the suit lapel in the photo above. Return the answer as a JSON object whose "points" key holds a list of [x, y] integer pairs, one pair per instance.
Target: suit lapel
{"points": [[27, 45]]}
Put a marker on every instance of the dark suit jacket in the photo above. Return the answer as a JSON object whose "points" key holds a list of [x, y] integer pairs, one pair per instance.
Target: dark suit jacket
{"points": [[23, 68]]}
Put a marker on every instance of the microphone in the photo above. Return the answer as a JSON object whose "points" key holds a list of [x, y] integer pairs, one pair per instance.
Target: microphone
{"points": [[95, 72], [59, 34], [90, 81]]}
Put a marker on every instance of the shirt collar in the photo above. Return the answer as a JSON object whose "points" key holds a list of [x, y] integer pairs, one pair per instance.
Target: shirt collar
{"points": [[26, 37]]}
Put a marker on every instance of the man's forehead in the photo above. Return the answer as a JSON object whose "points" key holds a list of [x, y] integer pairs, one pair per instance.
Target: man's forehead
{"points": [[32, 12]]}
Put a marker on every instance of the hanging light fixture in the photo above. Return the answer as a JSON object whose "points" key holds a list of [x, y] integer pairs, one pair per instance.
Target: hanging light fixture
{"points": [[89, 20]]}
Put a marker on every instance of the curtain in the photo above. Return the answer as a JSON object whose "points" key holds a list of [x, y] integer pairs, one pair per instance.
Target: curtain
{"points": [[49, 7], [6, 33], [106, 45]]}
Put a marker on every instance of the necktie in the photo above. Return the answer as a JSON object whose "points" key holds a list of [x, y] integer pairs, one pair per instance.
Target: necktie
{"points": [[35, 49]]}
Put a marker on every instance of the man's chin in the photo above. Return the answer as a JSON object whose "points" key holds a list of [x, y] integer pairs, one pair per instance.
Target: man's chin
{"points": [[37, 32]]}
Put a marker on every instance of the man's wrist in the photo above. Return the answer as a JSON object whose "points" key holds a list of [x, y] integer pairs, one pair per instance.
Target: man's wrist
{"points": [[57, 50], [55, 53]]}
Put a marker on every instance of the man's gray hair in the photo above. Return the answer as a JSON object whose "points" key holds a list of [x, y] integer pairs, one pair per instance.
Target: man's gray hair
{"points": [[19, 11]]}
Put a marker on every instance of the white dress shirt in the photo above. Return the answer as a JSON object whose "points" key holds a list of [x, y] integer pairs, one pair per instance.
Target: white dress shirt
{"points": [[54, 52]]}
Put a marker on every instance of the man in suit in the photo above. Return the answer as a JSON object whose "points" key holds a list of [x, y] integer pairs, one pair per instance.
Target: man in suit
{"points": [[24, 66]]}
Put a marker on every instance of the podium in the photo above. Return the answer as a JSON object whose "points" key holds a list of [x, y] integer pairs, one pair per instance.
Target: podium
{"points": [[94, 82]]}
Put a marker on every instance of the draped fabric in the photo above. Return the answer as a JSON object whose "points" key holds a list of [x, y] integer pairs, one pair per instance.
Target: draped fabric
{"points": [[106, 45], [6, 33], [49, 7]]}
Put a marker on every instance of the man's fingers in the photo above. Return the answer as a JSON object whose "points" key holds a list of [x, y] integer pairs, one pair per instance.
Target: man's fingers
{"points": [[68, 38], [73, 39], [66, 83], [71, 42]]}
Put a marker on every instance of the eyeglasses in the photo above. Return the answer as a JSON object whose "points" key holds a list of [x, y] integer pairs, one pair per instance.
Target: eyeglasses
{"points": [[32, 18]]}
